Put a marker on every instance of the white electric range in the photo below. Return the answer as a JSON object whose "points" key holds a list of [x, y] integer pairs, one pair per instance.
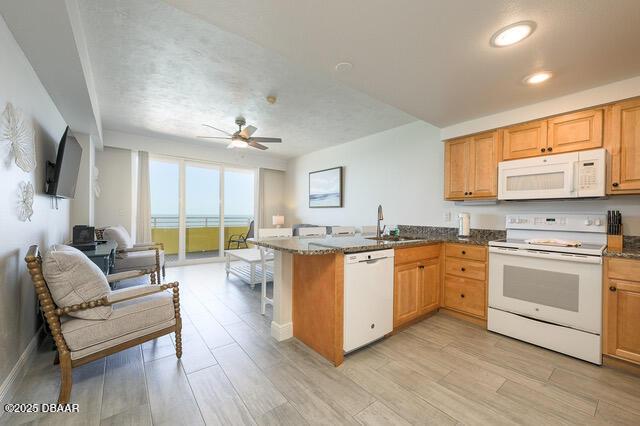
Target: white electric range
{"points": [[545, 282]]}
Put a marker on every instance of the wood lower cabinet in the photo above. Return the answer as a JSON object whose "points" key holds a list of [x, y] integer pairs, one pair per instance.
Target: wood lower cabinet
{"points": [[416, 283], [622, 309], [575, 132], [471, 167], [429, 286], [465, 280], [465, 295], [405, 293], [623, 143]]}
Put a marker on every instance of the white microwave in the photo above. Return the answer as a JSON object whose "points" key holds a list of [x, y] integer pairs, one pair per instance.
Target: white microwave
{"points": [[572, 175]]}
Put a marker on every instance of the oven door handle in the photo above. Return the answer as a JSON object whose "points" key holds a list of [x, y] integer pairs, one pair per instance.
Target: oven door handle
{"points": [[567, 257]]}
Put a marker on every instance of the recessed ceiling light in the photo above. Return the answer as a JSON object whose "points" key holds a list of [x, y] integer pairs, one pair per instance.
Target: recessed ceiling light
{"points": [[513, 33], [344, 66], [538, 77]]}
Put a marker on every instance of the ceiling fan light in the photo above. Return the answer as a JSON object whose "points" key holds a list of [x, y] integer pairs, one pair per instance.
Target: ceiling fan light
{"points": [[238, 143]]}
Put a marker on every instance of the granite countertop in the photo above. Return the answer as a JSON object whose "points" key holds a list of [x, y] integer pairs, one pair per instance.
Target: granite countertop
{"points": [[359, 243], [630, 249]]}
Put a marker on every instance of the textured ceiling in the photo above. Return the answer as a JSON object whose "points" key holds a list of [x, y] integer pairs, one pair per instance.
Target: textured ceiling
{"points": [[432, 58], [161, 71]]}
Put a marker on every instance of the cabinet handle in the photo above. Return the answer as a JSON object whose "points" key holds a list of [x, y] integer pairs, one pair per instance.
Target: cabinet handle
{"points": [[421, 266], [470, 193], [462, 295], [464, 252], [615, 184], [462, 269], [549, 149], [466, 193], [612, 288], [542, 150]]}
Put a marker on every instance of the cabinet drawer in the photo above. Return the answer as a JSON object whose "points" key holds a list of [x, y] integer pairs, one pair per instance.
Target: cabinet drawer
{"points": [[415, 254], [465, 268], [623, 269], [465, 295], [466, 251]]}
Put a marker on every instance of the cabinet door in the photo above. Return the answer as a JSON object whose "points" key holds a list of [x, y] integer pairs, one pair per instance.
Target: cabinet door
{"points": [[524, 140], [483, 162], [622, 333], [624, 146], [405, 294], [429, 287], [456, 162], [575, 132]]}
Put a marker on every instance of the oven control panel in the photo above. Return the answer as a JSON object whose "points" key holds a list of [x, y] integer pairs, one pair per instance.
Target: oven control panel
{"points": [[558, 222]]}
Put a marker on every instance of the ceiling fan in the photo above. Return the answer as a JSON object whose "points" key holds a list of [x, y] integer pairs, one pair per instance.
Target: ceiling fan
{"points": [[242, 138]]}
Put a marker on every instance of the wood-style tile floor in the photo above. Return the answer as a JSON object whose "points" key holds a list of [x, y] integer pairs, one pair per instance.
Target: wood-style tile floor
{"points": [[439, 371]]}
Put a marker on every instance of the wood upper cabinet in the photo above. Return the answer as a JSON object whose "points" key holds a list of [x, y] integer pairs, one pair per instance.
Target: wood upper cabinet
{"points": [[416, 284], [623, 143], [575, 132], [524, 140], [565, 133], [456, 160], [622, 310], [405, 292], [471, 167], [483, 165]]}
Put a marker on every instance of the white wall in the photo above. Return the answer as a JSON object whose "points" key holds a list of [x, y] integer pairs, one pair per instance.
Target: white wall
{"points": [[272, 191], [18, 317], [403, 169], [115, 205]]}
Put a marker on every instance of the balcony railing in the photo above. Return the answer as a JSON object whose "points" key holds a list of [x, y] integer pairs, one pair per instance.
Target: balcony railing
{"points": [[199, 221], [202, 232]]}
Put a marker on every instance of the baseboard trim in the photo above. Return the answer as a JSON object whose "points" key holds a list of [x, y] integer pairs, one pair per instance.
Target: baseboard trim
{"points": [[13, 380], [281, 332]]}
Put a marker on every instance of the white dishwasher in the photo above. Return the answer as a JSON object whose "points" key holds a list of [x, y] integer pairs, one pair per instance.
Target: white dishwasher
{"points": [[368, 297]]}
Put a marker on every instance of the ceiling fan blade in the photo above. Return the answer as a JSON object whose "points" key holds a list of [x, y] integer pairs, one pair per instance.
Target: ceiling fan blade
{"points": [[257, 145], [248, 131], [215, 128], [213, 137], [266, 140]]}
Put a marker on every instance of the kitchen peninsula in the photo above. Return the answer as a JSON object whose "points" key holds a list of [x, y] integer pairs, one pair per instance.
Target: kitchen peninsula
{"points": [[308, 291]]}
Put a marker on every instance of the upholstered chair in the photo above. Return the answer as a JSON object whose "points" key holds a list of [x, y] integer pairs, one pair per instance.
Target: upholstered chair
{"points": [[88, 320], [130, 256]]}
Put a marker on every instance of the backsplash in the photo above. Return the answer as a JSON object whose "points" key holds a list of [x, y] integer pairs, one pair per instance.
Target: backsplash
{"points": [[441, 231]]}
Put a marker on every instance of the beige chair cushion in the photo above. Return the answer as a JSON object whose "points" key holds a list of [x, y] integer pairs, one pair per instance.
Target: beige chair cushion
{"points": [[127, 318], [119, 234], [73, 278], [138, 260]]}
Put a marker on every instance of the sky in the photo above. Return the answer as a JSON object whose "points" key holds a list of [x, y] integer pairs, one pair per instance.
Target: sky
{"points": [[202, 190]]}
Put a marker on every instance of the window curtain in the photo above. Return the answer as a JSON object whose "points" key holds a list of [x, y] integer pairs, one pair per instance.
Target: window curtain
{"points": [[143, 216]]}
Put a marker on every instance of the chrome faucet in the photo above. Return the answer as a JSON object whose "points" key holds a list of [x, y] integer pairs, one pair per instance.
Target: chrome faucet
{"points": [[380, 231]]}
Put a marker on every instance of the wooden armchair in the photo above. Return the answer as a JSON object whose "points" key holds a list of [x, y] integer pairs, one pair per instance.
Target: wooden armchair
{"points": [[131, 316]]}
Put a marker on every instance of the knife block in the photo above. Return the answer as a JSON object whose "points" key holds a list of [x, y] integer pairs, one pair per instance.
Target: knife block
{"points": [[614, 242]]}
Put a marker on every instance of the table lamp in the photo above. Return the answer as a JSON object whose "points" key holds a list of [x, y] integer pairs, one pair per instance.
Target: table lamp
{"points": [[277, 220]]}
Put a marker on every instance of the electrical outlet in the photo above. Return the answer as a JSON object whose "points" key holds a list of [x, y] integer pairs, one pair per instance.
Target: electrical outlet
{"points": [[447, 216]]}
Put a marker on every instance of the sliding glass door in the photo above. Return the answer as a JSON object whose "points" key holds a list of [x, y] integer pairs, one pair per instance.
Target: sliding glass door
{"points": [[239, 206], [164, 177], [198, 209], [202, 211]]}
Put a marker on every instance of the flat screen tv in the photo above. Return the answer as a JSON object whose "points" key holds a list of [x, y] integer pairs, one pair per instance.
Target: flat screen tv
{"points": [[63, 175]]}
